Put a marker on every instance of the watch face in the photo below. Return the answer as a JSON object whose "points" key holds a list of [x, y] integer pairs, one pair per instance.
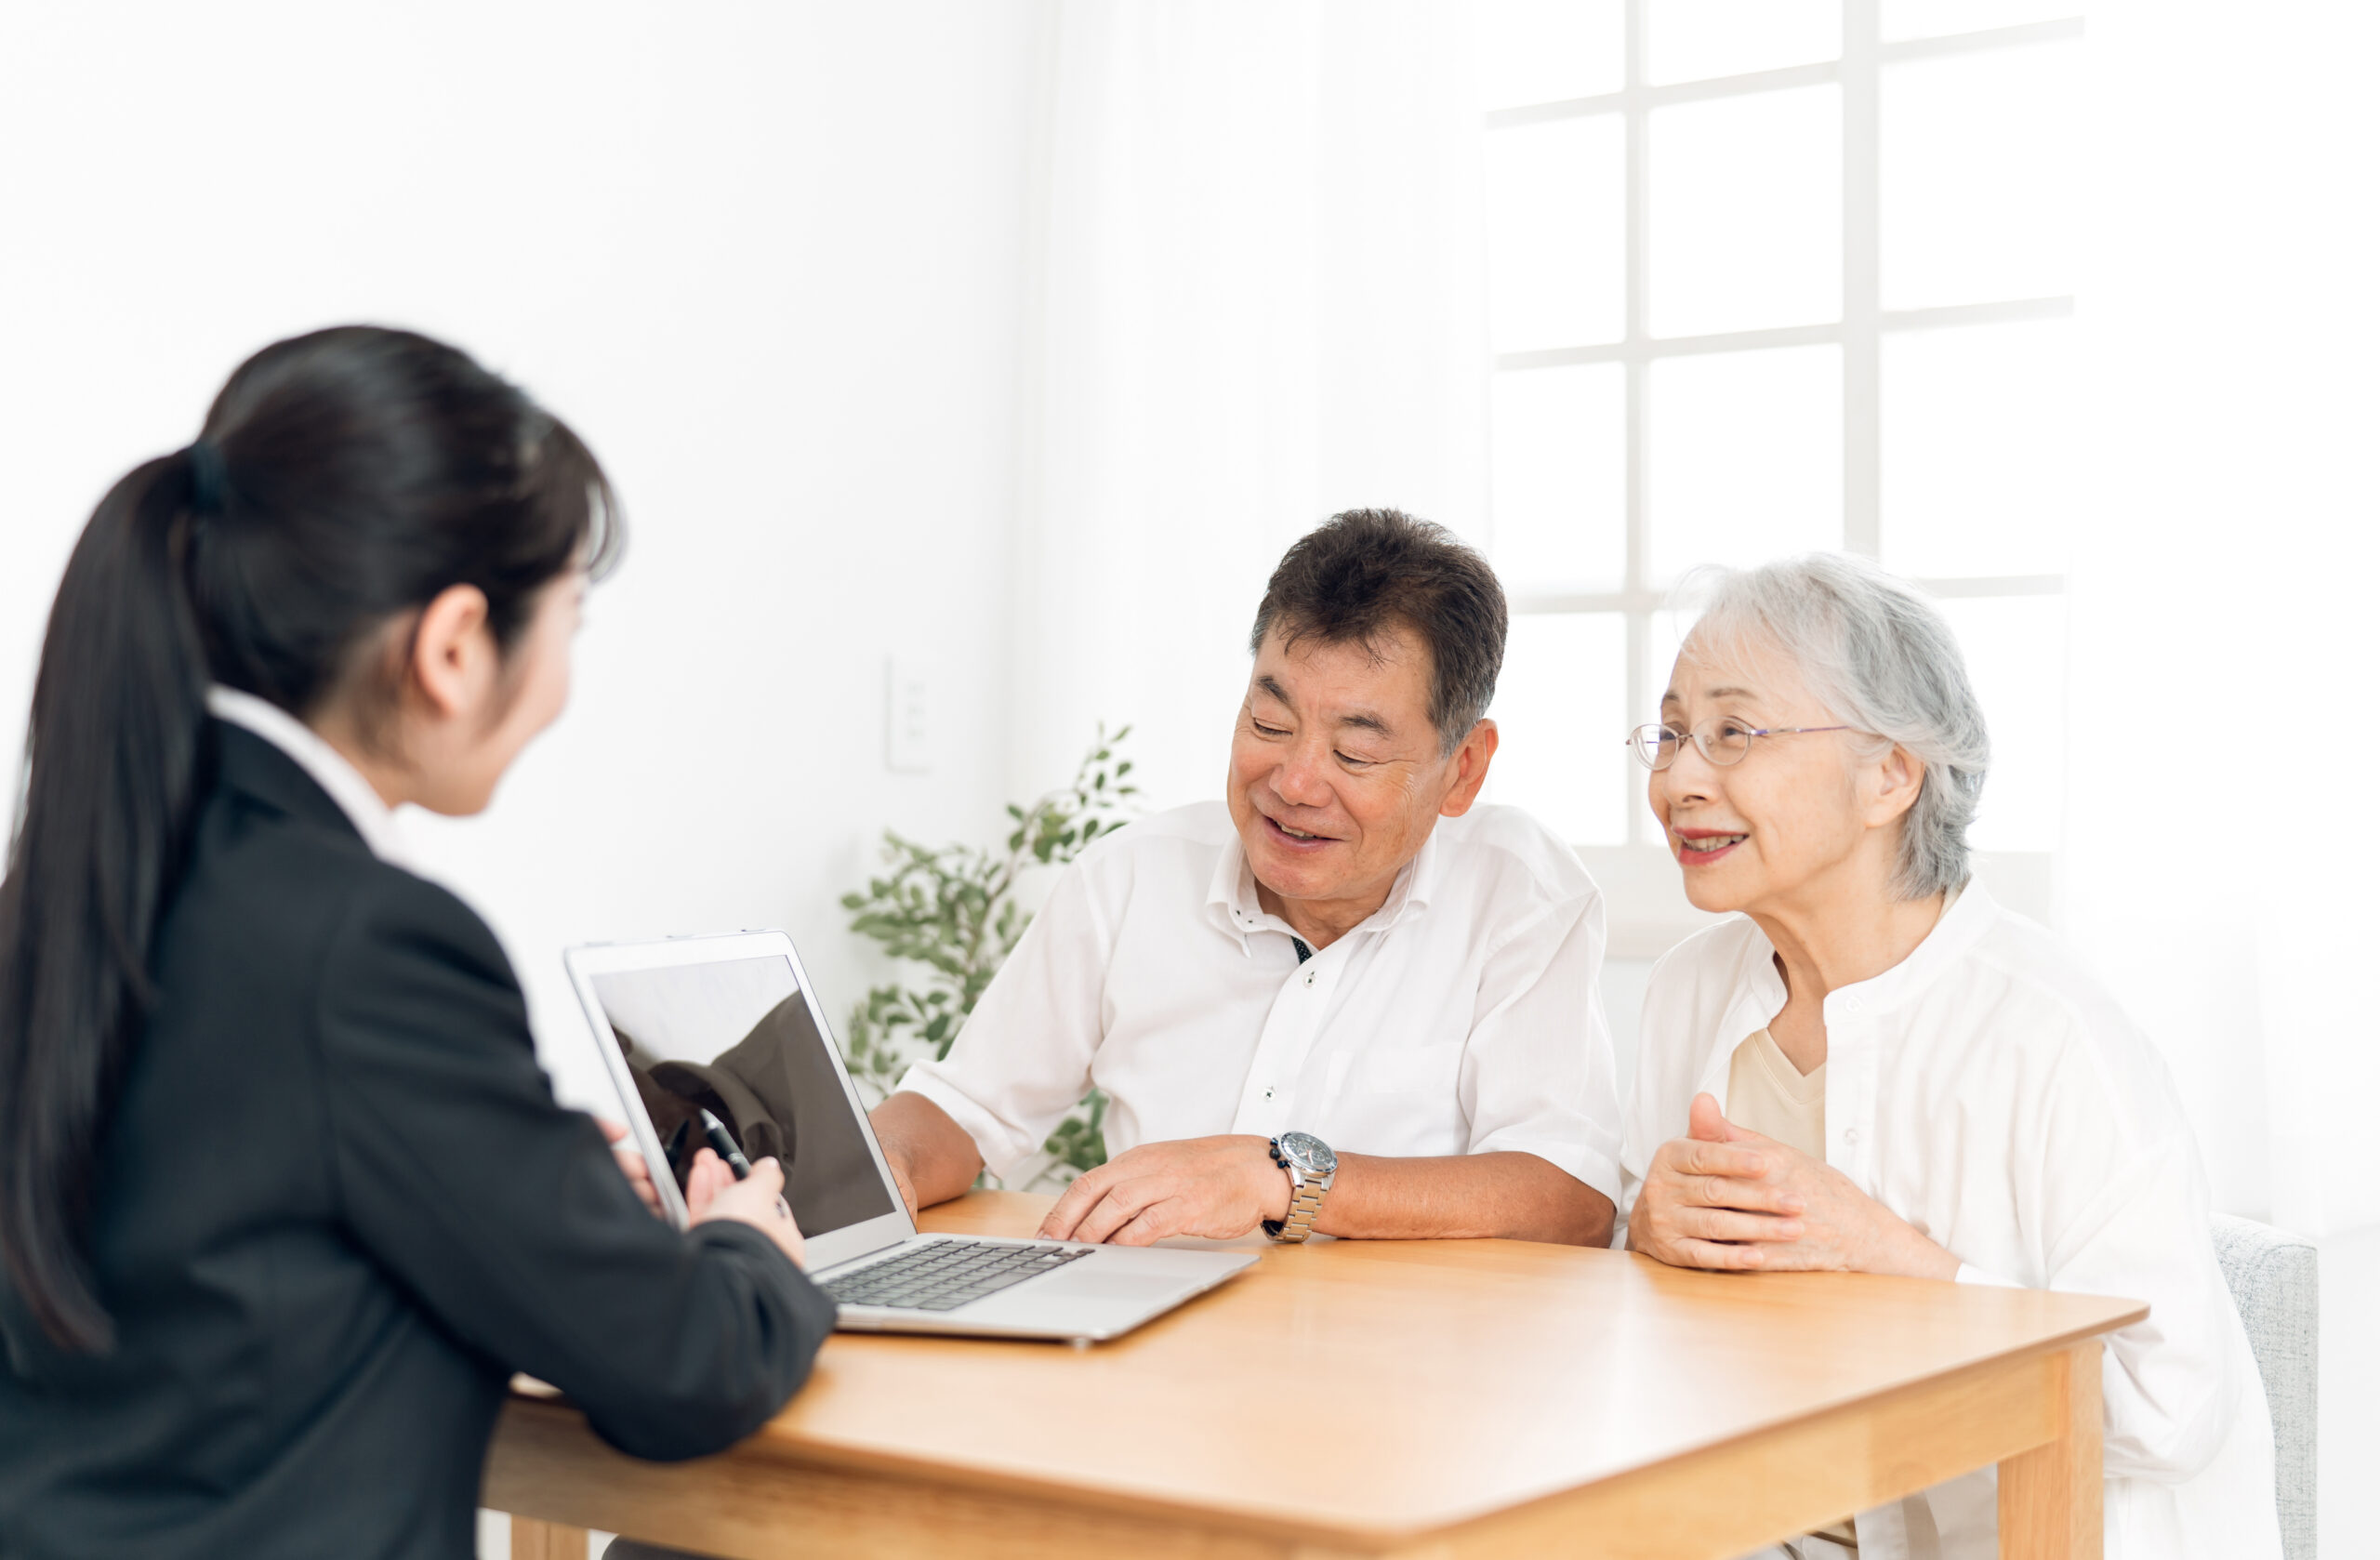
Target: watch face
{"points": [[1312, 1154]]}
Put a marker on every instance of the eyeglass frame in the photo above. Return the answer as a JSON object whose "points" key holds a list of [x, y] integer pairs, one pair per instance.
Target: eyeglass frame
{"points": [[1702, 743]]}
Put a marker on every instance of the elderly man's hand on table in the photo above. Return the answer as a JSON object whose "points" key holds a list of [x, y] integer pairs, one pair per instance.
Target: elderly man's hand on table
{"points": [[1724, 1197], [1218, 1187]]}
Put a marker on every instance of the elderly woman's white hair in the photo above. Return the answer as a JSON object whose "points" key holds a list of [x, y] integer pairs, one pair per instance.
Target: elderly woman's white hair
{"points": [[1878, 655]]}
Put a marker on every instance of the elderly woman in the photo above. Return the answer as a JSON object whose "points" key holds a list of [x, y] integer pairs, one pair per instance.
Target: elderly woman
{"points": [[1874, 1067]]}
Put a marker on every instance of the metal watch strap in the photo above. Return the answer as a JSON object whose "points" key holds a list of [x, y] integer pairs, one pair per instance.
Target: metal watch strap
{"points": [[1305, 1206]]}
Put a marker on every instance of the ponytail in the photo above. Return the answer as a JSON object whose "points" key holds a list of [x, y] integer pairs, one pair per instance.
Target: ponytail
{"points": [[344, 478], [113, 754]]}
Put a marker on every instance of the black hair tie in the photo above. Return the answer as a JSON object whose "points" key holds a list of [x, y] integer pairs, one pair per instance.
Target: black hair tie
{"points": [[207, 478]]}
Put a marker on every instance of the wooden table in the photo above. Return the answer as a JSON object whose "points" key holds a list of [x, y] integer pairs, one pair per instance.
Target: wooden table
{"points": [[1440, 1399]]}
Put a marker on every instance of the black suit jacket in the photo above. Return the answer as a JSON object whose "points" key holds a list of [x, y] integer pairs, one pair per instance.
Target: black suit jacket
{"points": [[338, 1206]]}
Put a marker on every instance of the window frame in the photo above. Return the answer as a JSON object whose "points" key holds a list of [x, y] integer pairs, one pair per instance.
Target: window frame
{"points": [[1859, 333]]}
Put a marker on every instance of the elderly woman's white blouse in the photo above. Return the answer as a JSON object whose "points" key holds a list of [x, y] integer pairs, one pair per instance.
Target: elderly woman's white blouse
{"points": [[1991, 1093]]}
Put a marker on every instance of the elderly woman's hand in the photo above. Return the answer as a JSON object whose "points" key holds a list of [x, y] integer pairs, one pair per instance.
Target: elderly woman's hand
{"points": [[1724, 1197]]}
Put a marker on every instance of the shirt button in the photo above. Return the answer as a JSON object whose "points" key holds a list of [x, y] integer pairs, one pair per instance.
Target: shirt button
{"points": [[1309, 977], [1851, 1135], [1268, 1093]]}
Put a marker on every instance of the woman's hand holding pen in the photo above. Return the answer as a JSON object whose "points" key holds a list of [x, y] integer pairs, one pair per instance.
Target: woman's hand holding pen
{"points": [[712, 1191]]}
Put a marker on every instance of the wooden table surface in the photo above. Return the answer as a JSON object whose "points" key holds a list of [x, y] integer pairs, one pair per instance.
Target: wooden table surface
{"points": [[1385, 1397]]}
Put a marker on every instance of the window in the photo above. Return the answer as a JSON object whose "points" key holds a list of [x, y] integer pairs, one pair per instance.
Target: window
{"points": [[1765, 276]]}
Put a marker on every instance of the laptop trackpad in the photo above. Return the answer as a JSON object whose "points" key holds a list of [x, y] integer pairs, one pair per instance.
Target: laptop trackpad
{"points": [[1098, 1298], [1092, 1284], [1131, 1273]]}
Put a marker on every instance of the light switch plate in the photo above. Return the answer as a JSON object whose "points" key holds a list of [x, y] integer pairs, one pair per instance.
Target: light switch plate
{"points": [[908, 716]]}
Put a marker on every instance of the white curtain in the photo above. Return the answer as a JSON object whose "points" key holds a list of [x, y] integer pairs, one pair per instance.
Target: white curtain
{"points": [[1259, 302], [2217, 861]]}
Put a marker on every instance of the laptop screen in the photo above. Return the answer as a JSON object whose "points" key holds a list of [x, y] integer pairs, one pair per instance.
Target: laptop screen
{"points": [[736, 1037]]}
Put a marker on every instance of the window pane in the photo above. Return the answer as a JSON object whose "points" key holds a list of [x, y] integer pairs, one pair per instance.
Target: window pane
{"points": [[1929, 19], [1694, 40], [2015, 654], [1559, 714], [1556, 233], [1977, 160], [1745, 457], [1560, 473], [1746, 201], [1979, 471], [1542, 51]]}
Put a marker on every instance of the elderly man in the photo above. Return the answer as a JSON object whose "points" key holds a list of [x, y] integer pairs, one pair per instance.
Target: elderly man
{"points": [[1344, 999]]}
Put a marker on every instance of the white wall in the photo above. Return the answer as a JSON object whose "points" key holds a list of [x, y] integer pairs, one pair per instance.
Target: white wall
{"points": [[1257, 301], [764, 257]]}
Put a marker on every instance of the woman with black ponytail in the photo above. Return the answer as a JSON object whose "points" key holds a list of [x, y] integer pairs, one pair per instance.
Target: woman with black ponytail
{"points": [[284, 1196]]}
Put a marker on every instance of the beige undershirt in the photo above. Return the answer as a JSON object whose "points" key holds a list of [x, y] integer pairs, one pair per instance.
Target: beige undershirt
{"points": [[1767, 1094]]}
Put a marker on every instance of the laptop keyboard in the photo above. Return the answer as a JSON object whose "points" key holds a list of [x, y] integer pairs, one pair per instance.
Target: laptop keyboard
{"points": [[946, 1275]]}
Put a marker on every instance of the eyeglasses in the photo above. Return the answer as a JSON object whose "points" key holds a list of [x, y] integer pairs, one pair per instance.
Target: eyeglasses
{"points": [[1727, 742]]}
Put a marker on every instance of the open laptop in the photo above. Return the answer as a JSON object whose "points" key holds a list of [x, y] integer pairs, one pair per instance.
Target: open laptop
{"points": [[731, 1026]]}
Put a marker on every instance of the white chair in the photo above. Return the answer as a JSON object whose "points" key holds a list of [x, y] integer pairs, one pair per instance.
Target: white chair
{"points": [[2272, 1277]]}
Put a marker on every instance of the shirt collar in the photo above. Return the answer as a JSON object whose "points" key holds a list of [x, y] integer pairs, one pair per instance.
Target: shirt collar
{"points": [[1965, 918], [1761, 990], [1233, 904], [324, 764]]}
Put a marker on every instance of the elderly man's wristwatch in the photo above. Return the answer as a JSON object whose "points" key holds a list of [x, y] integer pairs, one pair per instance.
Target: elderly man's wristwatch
{"points": [[1312, 1166]]}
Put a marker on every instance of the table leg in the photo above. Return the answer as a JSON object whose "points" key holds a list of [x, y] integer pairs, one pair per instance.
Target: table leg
{"points": [[532, 1539], [2050, 1496]]}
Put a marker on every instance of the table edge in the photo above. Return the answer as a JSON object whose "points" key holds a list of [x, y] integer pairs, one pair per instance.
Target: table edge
{"points": [[761, 1445]]}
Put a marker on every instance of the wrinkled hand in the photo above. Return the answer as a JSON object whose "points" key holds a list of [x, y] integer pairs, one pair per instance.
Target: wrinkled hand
{"points": [[1218, 1187], [632, 1165], [712, 1191], [1725, 1198]]}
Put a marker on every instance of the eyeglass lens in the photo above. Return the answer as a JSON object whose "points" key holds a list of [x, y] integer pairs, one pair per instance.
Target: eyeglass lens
{"points": [[1724, 743]]}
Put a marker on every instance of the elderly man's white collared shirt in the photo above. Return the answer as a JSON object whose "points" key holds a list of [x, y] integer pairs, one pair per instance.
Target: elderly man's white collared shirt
{"points": [[1464, 1017], [1989, 1091]]}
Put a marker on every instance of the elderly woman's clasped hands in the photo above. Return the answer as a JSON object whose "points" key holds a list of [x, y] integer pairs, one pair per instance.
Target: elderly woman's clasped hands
{"points": [[1725, 1198]]}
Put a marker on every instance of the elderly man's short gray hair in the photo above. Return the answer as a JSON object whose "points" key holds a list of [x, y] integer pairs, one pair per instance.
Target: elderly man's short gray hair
{"points": [[1878, 655]]}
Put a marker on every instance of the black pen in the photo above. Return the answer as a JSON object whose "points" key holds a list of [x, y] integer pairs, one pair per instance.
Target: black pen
{"points": [[723, 1143]]}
